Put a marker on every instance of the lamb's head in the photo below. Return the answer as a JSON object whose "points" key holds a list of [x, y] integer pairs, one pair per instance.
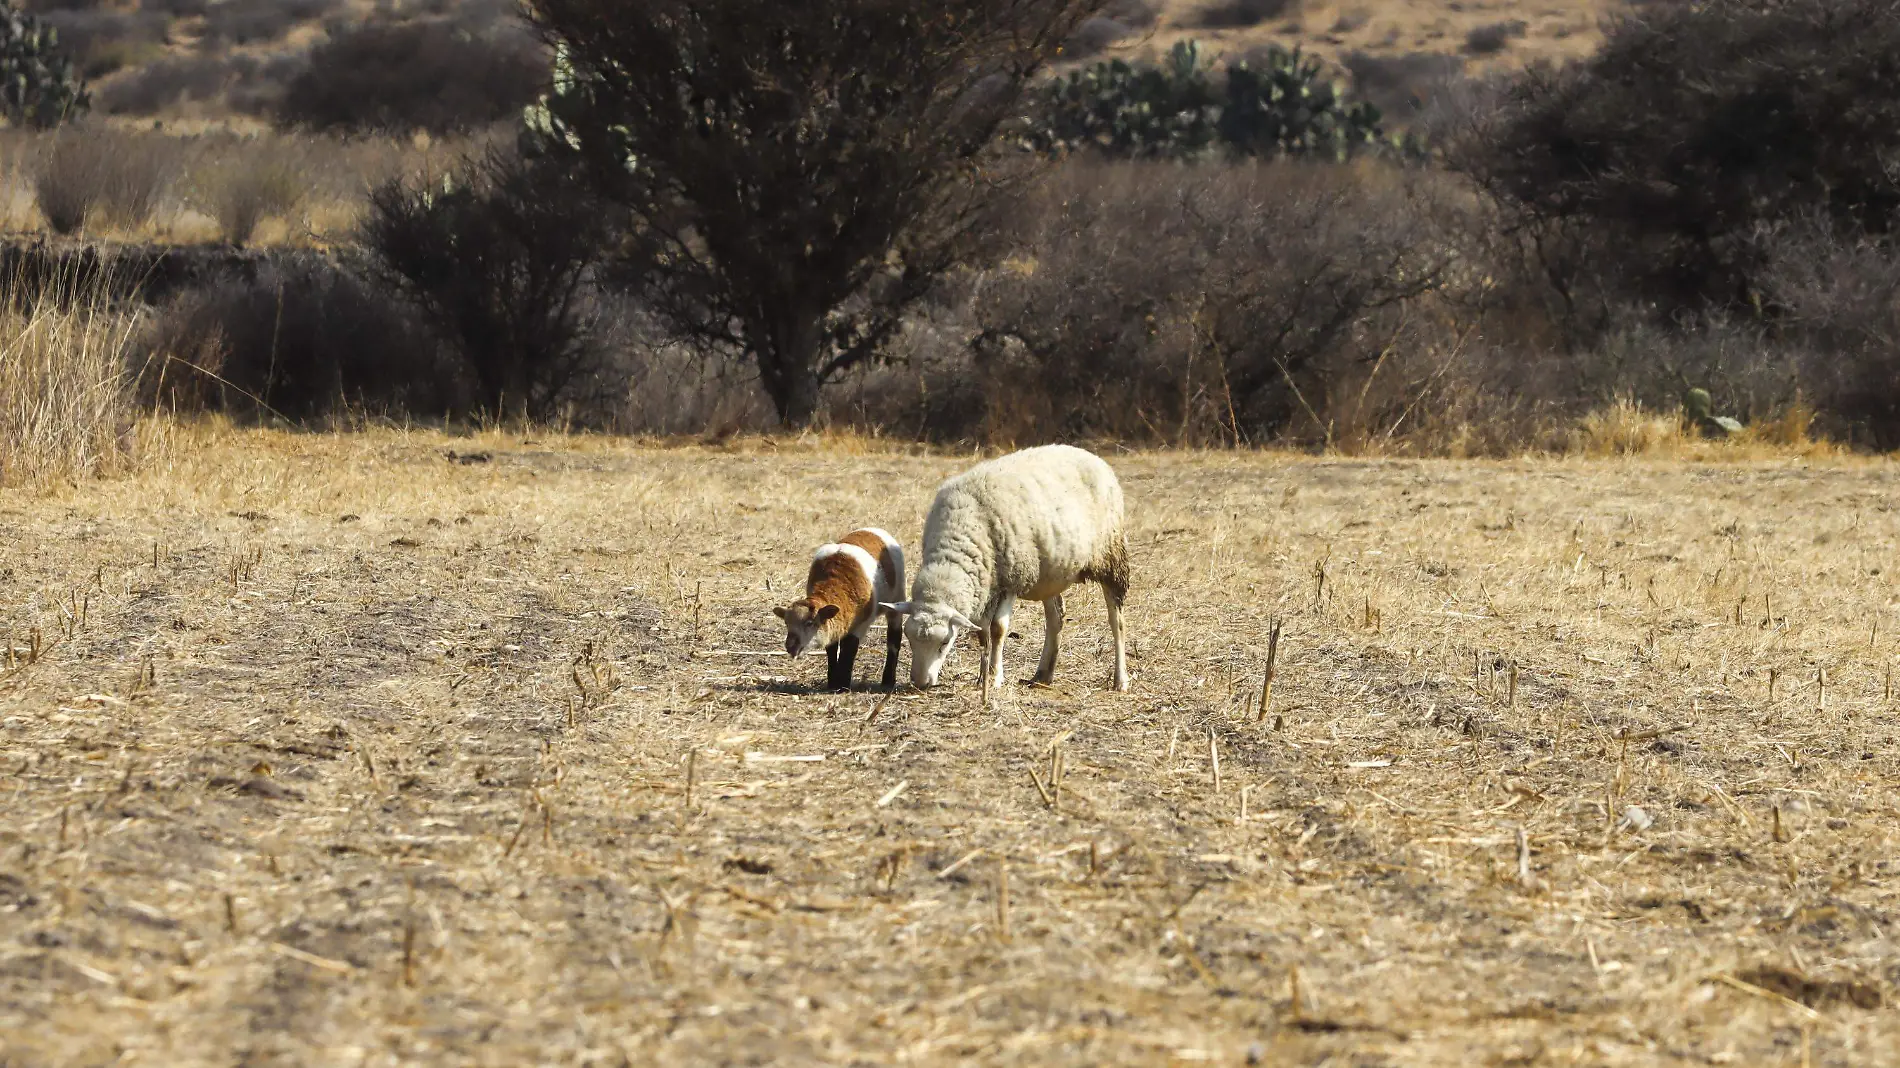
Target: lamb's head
{"points": [[931, 631], [805, 625]]}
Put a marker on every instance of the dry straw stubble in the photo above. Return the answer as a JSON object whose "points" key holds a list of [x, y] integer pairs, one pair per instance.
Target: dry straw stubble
{"points": [[426, 723]]}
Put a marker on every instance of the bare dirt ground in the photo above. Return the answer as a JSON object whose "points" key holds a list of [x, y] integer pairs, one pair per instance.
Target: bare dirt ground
{"points": [[341, 750]]}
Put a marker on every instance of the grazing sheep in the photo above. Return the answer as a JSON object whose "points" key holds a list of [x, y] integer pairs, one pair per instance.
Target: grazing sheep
{"points": [[1030, 524], [848, 581]]}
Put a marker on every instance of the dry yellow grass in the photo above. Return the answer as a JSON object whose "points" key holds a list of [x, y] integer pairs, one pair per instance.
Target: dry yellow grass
{"points": [[344, 750]]}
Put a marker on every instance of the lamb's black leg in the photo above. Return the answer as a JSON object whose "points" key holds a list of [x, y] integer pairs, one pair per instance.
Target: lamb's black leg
{"points": [[893, 640], [831, 667], [847, 660]]}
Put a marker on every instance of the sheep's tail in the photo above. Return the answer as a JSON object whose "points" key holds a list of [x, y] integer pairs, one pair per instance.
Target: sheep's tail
{"points": [[1111, 568]]}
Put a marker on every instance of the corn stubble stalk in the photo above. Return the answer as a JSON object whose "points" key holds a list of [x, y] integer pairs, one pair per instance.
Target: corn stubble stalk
{"points": [[1266, 684], [1002, 899], [1213, 758]]}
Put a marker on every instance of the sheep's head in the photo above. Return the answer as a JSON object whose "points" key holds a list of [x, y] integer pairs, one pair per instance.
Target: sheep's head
{"points": [[931, 631], [805, 625]]}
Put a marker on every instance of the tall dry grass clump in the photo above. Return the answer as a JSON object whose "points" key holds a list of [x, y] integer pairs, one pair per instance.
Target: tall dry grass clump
{"points": [[65, 402], [1626, 428], [253, 190], [94, 176]]}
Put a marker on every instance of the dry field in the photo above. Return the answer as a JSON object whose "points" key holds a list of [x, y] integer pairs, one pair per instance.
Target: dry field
{"points": [[346, 750]]}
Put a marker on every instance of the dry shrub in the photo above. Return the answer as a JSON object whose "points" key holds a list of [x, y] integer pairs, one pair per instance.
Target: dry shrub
{"points": [[199, 169], [104, 39], [1793, 428], [1403, 86], [1139, 14], [500, 258], [1239, 14], [245, 22], [1494, 37], [1838, 302], [249, 84], [1213, 304], [1696, 127], [671, 390], [1092, 37], [430, 75], [305, 339], [93, 175], [65, 410]]}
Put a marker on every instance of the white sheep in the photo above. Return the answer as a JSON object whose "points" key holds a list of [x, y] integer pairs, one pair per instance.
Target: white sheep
{"points": [[848, 581], [1027, 525]]}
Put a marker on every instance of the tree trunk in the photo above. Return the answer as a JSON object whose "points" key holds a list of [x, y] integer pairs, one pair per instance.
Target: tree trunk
{"points": [[788, 368], [505, 392], [801, 401]]}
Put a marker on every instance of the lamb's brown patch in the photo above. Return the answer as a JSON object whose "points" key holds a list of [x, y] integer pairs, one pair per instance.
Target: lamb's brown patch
{"points": [[874, 545], [837, 579]]}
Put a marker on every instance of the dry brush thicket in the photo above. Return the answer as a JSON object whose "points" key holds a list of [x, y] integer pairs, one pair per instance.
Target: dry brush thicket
{"points": [[108, 183], [400, 748]]}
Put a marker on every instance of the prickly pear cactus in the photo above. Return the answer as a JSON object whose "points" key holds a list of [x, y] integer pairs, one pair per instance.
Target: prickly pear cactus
{"points": [[1287, 107], [551, 125], [39, 86], [1282, 106], [1700, 409], [1143, 112]]}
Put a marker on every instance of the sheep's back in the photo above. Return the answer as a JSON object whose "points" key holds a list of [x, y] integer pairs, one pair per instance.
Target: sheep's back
{"points": [[1048, 514]]}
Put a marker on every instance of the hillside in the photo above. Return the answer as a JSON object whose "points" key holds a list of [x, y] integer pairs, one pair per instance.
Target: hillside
{"points": [[1483, 34], [229, 62]]}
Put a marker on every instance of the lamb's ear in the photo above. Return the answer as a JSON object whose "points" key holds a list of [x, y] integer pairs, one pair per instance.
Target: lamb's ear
{"points": [[961, 621], [779, 612], [902, 608], [826, 612]]}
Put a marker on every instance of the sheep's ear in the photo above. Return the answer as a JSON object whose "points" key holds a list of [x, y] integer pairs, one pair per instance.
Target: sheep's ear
{"points": [[960, 620], [902, 608], [779, 612], [827, 612]]}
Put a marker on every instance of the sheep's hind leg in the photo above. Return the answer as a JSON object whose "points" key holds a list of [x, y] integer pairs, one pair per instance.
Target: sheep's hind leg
{"points": [[1051, 639], [893, 641], [1114, 599]]}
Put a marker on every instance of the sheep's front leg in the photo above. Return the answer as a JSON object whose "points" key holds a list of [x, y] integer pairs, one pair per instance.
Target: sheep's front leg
{"points": [[893, 641], [1114, 600], [999, 629], [1051, 638]]}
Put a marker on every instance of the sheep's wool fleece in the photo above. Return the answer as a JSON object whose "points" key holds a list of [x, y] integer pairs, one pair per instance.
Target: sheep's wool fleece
{"points": [[1028, 524]]}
